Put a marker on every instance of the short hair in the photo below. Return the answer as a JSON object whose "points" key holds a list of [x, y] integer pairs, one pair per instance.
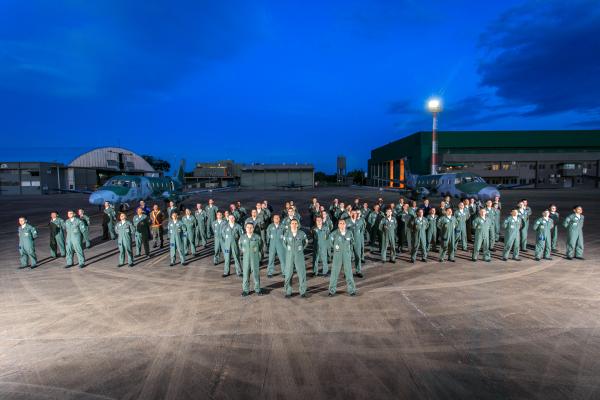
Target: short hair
{"points": [[249, 223], [22, 216], [576, 206], [122, 213]]}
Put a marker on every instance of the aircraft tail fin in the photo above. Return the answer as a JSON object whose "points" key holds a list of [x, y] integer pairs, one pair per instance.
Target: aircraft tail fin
{"points": [[180, 171]]}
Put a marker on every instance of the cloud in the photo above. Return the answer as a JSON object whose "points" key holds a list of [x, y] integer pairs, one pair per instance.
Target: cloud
{"points": [[115, 48], [545, 54]]}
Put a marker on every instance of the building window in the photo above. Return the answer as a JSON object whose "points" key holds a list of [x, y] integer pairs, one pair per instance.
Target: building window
{"points": [[568, 166], [495, 167], [505, 166]]}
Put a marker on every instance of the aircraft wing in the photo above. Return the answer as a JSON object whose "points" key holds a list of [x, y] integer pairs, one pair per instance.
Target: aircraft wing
{"points": [[75, 191]]}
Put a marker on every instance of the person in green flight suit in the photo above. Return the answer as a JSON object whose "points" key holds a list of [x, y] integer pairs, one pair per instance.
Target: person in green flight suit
{"points": [[275, 245], [432, 233], [190, 232], [141, 223], [250, 247], [201, 218], [512, 228], [356, 226], [125, 232], [387, 229], [574, 225], [405, 217], [171, 209], [27, 236], [57, 235], [217, 224], [496, 207], [481, 233], [555, 217], [111, 219], [262, 219], [295, 242], [490, 213], [462, 216], [230, 234], [177, 239], [543, 240], [327, 221], [86, 221], [373, 221], [320, 234], [524, 213], [419, 236], [254, 220], [447, 226], [211, 217], [74, 228], [343, 249]]}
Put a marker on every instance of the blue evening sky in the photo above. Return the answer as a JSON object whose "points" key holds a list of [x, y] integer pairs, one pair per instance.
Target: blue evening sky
{"points": [[282, 81]]}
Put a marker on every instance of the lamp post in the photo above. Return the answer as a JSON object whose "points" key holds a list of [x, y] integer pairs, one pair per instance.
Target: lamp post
{"points": [[434, 105]]}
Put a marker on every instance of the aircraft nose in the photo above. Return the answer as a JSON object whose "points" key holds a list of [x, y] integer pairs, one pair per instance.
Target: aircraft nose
{"points": [[488, 193], [98, 198]]}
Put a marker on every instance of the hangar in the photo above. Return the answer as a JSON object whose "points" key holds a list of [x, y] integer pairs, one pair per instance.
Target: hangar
{"points": [[545, 159], [86, 171]]}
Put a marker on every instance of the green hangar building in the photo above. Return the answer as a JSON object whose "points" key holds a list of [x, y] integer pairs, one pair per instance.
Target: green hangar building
{"points": [[533, 158]]}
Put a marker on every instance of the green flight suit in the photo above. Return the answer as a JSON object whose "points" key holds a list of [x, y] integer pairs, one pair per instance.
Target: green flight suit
{"points": [[496, 224], [125, 232], [201, 218], [554, 232], [190, 234], [373, 221], [250, 247], [211, 217], [432, 233], [294, 260], [176, 241], [276, 248], [405, 231], [574, 225], [74, 228], [343, 249], [461, 235], [419, 237], [524, 214], [141, 223], [57, 239], [481, 233], [512, 241], [27, 236], [262, 223], [171, 210], [258, 227], [447, 228], [491, 215], [358, 239], [111, 215], [229, 241], [388, 227], [543, 239], [218, 246], [86, 233], [320, 249]]}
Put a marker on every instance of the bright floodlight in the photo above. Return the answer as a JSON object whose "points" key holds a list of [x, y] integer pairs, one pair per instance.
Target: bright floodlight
{"points": [[434, 105]]}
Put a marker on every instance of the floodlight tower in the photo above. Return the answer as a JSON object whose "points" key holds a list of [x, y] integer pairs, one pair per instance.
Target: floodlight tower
{"points": [[434, 105]]}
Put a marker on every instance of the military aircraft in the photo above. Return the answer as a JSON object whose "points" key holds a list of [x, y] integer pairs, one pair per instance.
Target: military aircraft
{"points": [[292, 186], [454, 184], [123, 190]]}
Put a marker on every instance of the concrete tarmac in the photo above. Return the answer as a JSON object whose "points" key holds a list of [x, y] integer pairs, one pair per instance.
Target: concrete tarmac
{"points": [[499, 330]]}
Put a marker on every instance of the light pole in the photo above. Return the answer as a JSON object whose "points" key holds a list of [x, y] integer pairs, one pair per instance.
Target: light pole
{"points": [[434, 105]]}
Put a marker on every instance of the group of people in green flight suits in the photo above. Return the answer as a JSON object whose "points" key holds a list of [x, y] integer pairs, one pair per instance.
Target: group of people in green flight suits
{"points": [[340, 235]]}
